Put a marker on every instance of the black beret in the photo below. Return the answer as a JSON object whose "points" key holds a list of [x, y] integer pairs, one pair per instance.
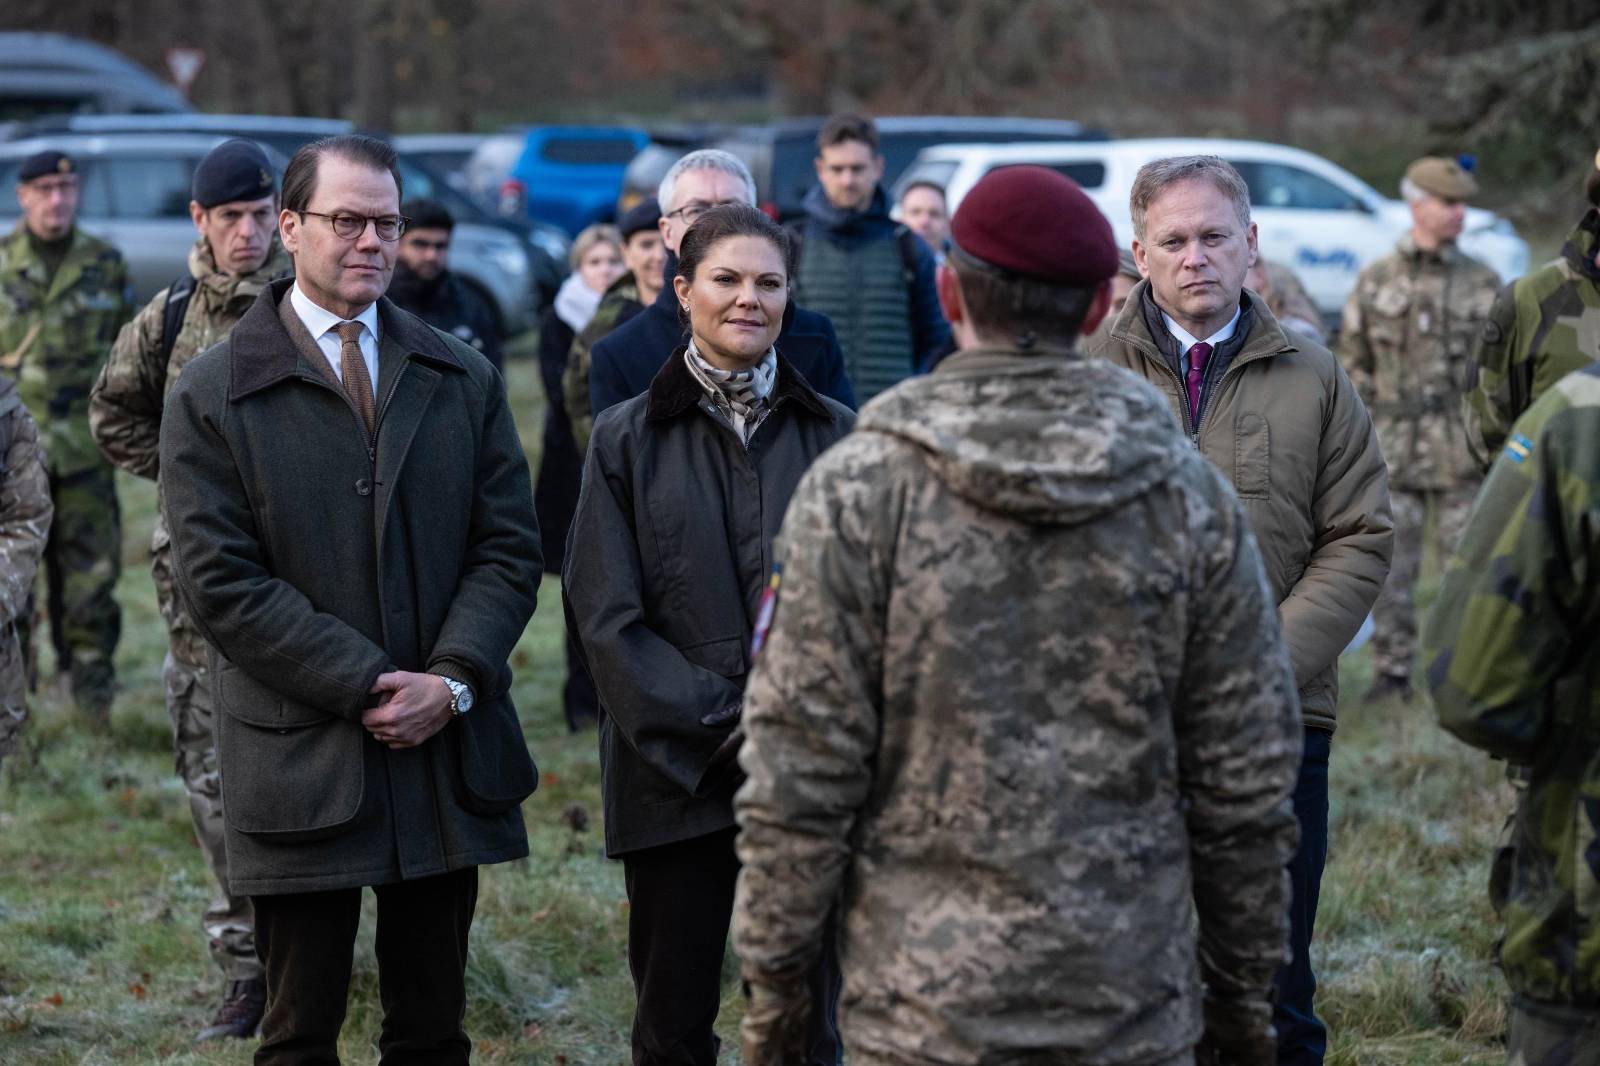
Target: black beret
{"points": [[641, 216], [1036, 223], [233, 170], [43, 164]]}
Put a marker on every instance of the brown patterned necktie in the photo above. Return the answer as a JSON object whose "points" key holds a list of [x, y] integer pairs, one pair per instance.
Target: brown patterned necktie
{"points": [[353, 371]]}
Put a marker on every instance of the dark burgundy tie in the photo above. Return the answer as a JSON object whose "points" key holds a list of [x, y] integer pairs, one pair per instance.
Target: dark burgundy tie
{"points": [[1196, 376]]}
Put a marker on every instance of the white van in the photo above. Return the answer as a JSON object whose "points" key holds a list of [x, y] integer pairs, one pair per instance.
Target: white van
{"points": [[1311, 214]]}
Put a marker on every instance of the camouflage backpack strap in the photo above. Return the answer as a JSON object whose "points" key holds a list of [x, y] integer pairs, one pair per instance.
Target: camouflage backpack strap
{"points": [[179, 293]]}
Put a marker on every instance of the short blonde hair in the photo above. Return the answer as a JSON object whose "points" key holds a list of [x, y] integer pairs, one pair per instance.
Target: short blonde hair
{"points": [[599, 233], [1157, 176]]}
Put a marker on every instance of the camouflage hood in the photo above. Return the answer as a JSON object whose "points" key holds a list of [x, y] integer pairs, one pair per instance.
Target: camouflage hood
{"points": [[203, 266], [1050, 437]]}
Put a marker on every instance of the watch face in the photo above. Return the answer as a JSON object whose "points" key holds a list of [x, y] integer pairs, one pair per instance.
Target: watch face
{"points": [[464, 700]]}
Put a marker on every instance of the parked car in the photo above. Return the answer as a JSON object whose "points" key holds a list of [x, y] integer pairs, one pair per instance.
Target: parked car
{"points": [[446, 154], [1310, 213], [486, 248], [51, 73], [133, 191], [668, 144], [781, 155], [571, 176], [488, 171]]}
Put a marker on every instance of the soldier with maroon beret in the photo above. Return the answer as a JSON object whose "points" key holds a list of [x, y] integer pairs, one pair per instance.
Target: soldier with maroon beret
{"points": [[1022, 709]]}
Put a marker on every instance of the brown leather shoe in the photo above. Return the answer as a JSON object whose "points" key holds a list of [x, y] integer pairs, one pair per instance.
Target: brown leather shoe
{"points": [[240, 1014]]}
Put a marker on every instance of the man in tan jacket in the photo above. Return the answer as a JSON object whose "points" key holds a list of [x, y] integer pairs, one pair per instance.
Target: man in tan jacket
{"points": [[1279, 417]]}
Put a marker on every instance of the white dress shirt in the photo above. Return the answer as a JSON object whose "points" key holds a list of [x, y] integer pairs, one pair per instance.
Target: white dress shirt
{"points": [[1189, 340], [324, 326]]}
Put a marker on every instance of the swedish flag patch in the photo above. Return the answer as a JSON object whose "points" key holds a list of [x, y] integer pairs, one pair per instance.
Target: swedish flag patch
{"points": [[1518, 448]]}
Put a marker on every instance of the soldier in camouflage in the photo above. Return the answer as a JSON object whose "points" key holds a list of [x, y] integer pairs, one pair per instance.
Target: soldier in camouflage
{"points": [[645, 257], [1406, 339], [1542, 327], [1515, 670], [237, 254], [25, 510], [63, 296], [1024, 711]]}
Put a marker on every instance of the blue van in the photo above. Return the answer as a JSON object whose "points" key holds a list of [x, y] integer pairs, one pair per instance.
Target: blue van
{"points": [[571, 176]]}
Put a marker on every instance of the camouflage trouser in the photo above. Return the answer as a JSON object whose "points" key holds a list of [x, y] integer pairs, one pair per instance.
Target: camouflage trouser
{"points": [[229, 921], [13, 691], [82, 562], [1394, 616], [1553, 1036]]}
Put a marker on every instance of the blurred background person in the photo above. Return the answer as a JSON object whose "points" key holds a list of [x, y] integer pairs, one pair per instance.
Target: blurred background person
{"points": [[234, 206], [645, 257], [1286, 298], [923, 210], [684, 488], [424, 284], [1406, 340], [871, 275], [596, 265], [24, 527], [63, 297]]}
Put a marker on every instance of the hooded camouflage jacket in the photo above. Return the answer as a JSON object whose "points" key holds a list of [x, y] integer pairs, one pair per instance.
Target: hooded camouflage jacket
{"points": [[1542, 327], [1515, 670], [125, 407], [1408, 330], [25, 512], [55, 333], [1023, 702]]}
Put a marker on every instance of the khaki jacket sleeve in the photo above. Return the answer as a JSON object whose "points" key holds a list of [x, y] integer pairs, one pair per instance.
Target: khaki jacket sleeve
{"points": [[1354, 537], [125, 404], [812, 717], [575, 387], [25, 512]]}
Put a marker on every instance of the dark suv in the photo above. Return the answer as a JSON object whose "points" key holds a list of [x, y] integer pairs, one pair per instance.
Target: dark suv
{"points": [[780, 155]]}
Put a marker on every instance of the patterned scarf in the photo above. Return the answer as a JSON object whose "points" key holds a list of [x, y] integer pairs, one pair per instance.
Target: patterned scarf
{"points": [[744, 396]]}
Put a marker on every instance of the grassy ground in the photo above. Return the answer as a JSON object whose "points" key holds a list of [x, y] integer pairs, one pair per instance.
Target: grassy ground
{"points": [[101, 885]]}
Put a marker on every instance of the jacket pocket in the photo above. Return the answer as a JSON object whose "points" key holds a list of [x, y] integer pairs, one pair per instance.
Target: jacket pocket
{"points": [[725, 657], [497, 773], [290, 773], [1252, 457]]}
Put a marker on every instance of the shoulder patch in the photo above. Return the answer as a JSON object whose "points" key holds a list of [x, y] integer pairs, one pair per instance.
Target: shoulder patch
{"points": [[1518, 448], [1492, 333], [765, 613]]}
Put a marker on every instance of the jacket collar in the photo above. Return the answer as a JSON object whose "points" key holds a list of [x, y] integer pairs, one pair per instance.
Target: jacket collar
{"points": [[1265, 338], [263, 353], [675, 391], [1446, 252]]}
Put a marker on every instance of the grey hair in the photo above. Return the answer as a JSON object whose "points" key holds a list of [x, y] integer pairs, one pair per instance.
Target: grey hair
{"points": [[1411, 192], [705, 159], [1156, 176]]}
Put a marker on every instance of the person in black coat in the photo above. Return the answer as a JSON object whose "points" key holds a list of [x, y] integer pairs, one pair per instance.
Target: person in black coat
{"points": [[626, 360], [424, 284], [684, 489]]}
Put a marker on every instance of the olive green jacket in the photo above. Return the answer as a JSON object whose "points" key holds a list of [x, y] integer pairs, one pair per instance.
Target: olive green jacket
{"points": [[1285, 425]]}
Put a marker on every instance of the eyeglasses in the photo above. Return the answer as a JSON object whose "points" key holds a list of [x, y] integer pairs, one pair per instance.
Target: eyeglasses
{"points": [[351, 227], [691, 211]]}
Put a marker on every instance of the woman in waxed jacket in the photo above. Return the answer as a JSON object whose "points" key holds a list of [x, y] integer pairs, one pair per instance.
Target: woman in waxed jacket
{"points": [[684, 488]]}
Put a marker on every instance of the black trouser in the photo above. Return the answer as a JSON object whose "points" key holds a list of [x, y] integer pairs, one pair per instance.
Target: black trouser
{"points": [[680, 900], [307, 940]]}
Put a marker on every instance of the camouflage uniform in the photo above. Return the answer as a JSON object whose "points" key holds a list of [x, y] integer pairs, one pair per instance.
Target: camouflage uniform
{"points": [[54, 335], [1408, 330], [1515, 670], [125, 416], [24, 526], [1025, 710], [1542, 327], [621, 301]]}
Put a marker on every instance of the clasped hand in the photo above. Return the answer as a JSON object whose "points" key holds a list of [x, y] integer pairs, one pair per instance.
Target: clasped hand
{"points": [[411, 708]]}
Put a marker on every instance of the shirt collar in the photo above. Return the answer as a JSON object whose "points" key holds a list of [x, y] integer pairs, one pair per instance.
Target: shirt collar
{"points": [[320, 320], [1189, 340]]}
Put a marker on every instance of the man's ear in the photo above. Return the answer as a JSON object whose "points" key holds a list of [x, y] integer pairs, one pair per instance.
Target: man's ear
{"points": [[289, 230], [196, 213], [1097, 309], [949, 288], [1139, 258]]}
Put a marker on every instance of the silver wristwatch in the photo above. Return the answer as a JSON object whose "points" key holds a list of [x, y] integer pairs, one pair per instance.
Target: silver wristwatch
{"points": [[460, 695]]}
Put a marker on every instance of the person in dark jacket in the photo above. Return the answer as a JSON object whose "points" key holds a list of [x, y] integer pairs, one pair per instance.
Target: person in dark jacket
{"points": [[626, 360], [684, 489], [596, 261], [424, 284], [353, 531], [871, 275]]}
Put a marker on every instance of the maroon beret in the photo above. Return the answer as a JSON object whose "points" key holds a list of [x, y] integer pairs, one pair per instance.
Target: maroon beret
{"points": [[1035, 222]]}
